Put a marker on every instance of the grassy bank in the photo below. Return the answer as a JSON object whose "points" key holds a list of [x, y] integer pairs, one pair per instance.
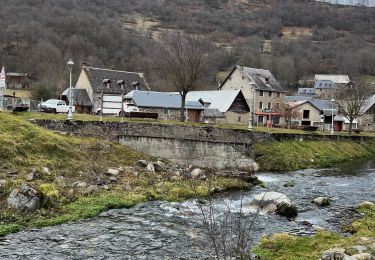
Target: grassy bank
{"points": [[58, 162], [284, 246], [294, 155]]}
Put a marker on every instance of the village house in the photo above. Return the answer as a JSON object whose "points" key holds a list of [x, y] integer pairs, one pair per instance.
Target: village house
{"points": [[117, 82], [367, 120], [166, 104], [261, 90], [326, 84], [318, 112], [224, 106], [81, 100], [18, 80]]}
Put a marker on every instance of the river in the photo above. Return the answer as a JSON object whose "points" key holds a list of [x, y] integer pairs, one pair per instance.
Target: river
{"points": [[160, 230], [368, 3]]}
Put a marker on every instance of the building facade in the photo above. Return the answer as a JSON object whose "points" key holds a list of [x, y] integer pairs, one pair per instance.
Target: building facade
{"points": [[263, 93]]}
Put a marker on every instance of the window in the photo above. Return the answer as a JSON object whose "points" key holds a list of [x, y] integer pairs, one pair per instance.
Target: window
{"points": [[278, 94], [260, 119], [277, 105], [269, 105], [270, 93], [260, 105], [239, 118], [306, 113], [261, 93]]}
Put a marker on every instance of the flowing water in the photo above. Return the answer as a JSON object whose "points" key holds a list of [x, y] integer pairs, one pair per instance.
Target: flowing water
{"points": [[159, 230], [368, 3]]}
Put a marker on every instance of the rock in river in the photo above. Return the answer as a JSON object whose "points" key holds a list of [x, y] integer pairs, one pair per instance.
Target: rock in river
{"points": [[270, 202]]}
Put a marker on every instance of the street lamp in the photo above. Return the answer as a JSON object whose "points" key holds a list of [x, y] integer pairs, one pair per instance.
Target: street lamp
{"points": [[70, 110], [332, 130], [121, 84]]}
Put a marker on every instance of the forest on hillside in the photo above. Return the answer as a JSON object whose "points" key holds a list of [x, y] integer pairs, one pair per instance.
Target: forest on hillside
{"points": [[304, 37]]}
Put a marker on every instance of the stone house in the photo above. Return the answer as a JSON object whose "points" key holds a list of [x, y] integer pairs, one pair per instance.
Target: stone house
{"points": [[318, 112], [19, 80], [224, 106], [166, 104], [91, 79], [367, 120], [326, 84], [261, 90]]}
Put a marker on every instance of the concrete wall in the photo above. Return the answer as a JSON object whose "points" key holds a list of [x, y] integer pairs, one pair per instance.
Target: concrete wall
{"points": [[197, 145], [201, 146]]}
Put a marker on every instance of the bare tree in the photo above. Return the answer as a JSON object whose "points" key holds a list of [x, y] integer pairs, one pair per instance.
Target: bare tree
{"points": [[287, 109], [183, 62], [350, 99]]}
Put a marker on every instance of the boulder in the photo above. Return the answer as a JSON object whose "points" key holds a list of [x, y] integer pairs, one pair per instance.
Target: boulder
{"points": [[80, 184], [113, 172], [286, 210], [270, 202], [362, 256], [159, 166], [113, 179], [143, 163], [176, 178], [30, 176], [322, 201], [151, 168], [197, 173], [335, 254], [46, 170], [92, 189], [25, 199], [359, 249]]}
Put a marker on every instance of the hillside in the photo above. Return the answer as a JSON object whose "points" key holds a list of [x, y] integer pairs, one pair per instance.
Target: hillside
{"points": [[293, 38]]}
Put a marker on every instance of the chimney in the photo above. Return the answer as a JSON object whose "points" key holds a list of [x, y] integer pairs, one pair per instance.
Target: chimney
{"points": [[85, 66]]}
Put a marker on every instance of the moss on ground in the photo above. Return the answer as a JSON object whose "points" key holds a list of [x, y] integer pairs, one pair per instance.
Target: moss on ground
{"points": [[289, 247], [294, 155], [26, 148]]}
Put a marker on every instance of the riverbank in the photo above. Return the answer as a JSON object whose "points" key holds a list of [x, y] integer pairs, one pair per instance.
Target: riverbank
{"points": [[295, 155], [80, 177], [285, 246]]}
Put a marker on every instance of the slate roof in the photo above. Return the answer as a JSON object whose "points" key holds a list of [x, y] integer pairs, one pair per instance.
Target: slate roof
{"points": [[306, 91], [218, 99], [160, 100], [324, 84], [97, 75], [369, 103], [258, 78], [80, 96], [318, 103], [337, 79], [213, 113]]}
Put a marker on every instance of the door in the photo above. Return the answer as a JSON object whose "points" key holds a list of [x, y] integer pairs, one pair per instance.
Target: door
{"points": [[194, 115]]}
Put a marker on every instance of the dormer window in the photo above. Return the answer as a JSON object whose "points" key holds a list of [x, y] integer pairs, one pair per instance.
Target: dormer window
{"points": [[107, 83], [267, 80]]}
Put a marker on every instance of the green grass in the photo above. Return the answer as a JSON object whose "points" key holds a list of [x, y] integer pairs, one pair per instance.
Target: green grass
{"points": [[294, 155], [289, 247]]}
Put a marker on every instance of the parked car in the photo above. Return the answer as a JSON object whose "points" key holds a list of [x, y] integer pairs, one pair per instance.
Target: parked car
{"points": [[54, 106]]}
